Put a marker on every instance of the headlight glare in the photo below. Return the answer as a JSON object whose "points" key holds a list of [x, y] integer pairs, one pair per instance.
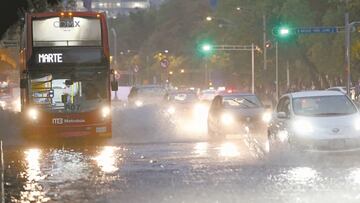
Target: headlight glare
{"points": [[33, 114], [227, 119], [357, 124], [171, 110], [139, 103], [303, 127], [2, 104], [200, 109], [105, 111], [266, 117]]}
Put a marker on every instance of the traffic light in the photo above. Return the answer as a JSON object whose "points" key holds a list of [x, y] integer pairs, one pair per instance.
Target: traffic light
{"points": [[206, 47], [283, 31]]}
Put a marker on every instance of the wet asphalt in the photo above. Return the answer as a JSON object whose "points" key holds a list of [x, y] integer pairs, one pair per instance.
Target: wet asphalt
{"points": [[153, 159]]}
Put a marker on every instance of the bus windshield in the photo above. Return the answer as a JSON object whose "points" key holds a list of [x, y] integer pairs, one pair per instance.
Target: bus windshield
{"points": [[69, 92]]}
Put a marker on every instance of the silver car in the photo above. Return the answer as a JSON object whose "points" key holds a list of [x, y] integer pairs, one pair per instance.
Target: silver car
{"points": [[315, 121]]}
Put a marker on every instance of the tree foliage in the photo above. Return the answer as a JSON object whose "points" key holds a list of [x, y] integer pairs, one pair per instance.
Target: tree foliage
{"points": [[179, 26]]}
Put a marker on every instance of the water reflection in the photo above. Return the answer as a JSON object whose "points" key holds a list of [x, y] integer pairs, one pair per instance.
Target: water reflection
{"points": [[355, 176], [229, 149], [33, 191], [302, 175], [106, 159], [68, 165], [201, 148]]}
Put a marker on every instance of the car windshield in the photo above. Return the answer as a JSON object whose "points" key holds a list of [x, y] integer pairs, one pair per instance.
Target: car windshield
{"points": [[246, 101], [323, 106], [151, 91], [69, 92]]}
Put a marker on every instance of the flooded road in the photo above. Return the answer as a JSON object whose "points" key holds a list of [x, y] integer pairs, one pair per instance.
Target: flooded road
{"points": [[174, 167]]}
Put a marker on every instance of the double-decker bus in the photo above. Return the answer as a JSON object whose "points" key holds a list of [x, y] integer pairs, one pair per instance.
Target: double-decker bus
{"points": [[66, 80]]}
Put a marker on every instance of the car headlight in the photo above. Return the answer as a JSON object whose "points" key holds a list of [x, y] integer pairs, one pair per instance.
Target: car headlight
{"points": [[105, 111], [227, 119], [139, 103], [357, 124], [303, 127], [171, 110], [266, 117], [33, 114]]}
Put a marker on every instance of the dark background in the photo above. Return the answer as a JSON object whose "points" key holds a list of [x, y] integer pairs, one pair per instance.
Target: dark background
{"points": [[10, 12]]}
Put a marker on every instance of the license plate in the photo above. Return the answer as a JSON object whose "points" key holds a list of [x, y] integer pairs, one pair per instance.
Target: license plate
{"points": [[101, 129], [338, 144]]}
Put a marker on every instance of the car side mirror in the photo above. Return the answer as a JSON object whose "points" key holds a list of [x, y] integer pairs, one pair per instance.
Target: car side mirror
{"points": [[69, 82], [23, 83], [282, 115], [114, 86]]}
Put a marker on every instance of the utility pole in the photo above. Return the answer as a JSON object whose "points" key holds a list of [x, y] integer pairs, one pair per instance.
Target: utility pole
{"points": [[288, 74], [347, 53], [206, 73], [252, 68], [115, 46], [264, 42]]}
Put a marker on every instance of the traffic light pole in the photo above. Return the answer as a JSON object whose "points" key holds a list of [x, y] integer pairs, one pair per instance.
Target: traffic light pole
{"points": [[252, 68], [347, 54], [277, 70], [264, 42], [348, 28]]}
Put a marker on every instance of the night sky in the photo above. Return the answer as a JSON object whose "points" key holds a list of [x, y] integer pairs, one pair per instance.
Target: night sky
{"points": [[9, 12]]}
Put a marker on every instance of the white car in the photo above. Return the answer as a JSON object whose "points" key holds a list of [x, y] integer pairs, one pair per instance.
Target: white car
{"points": [[315, 121], [341, 89]]}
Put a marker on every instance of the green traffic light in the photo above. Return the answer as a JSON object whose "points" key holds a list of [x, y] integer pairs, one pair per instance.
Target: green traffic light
{"points": [[284, 31], [206, 47]]}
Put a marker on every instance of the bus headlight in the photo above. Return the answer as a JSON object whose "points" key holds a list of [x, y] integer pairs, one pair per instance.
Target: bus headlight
{"points": [[227, 119], [266, 117], [105, 111], [33, 114]]}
